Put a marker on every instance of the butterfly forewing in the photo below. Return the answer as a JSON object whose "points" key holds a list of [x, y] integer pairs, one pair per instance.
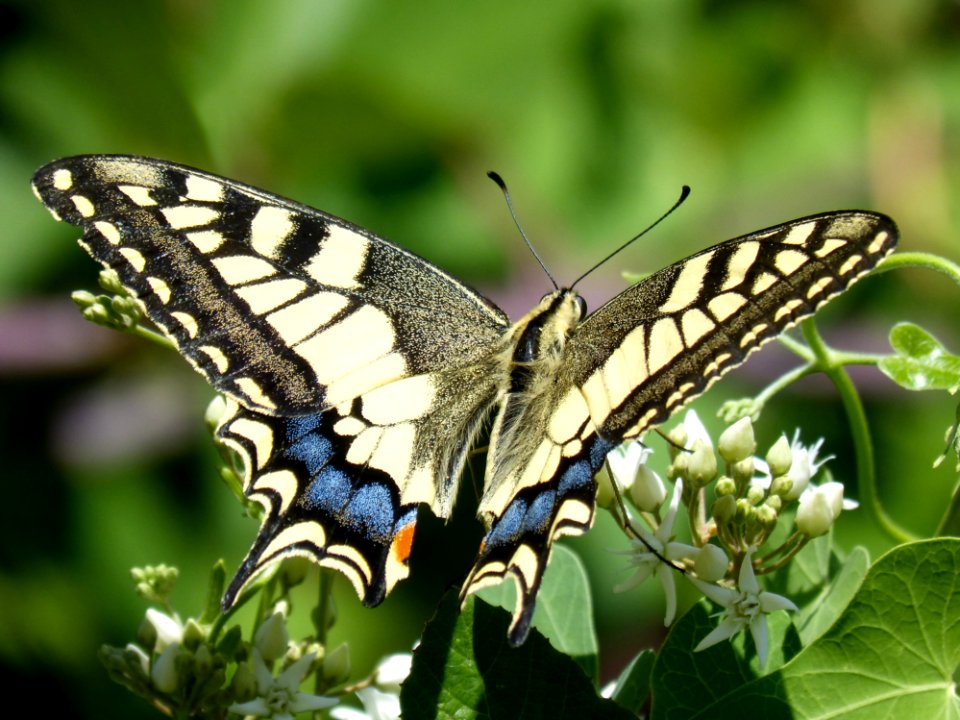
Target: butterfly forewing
{"points": [[358, 374]]}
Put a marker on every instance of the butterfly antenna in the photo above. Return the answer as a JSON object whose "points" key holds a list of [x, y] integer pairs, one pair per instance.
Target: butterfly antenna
{"points": [[684, 194], [506, 195]]}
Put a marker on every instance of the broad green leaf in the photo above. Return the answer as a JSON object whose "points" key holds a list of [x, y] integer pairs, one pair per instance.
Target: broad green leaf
{"points": [[464, 668], [921, 362], [633, 685], [819, 614], [892, 653], [564, 611]]}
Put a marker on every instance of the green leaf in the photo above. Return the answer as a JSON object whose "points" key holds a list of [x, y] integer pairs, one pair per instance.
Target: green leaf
{"points": [[464, 668], [892, 653], [633, 685], [564, 612], [921, 362], [820, 613]]}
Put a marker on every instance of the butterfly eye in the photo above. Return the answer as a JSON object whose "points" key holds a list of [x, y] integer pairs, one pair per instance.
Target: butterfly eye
{"points": [[582, 304]]}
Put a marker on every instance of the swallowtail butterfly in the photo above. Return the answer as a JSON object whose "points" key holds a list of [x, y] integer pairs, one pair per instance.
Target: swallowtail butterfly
{"points": [[357, 375]]}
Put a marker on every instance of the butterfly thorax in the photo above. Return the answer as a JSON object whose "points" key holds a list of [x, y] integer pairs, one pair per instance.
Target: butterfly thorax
{"points": [[532, 363]]}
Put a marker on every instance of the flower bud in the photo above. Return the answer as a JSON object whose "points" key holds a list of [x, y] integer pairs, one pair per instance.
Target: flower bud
{"points": [[605, 495], [775, 502], [725, 486], [135, 656], [678, 439], [779, 457], [781, 486], [743, 471], [814, 513], [679, 467], [193, 634], [244, 683], [702, 464], [724, 509], [271, 637], [336, 664], [711, 563], [744, 510], [755, 495], [164, 670], [168, 629], [766, 515], [648, 491], [737, 443]]}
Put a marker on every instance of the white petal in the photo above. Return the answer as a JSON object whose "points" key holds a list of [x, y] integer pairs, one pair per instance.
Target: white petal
{"points": [[758, 629], [302, 702], [769, 602], [727, 628], [169, 630], [720, 595], [748, 580], [294, 675], [670, 593], [256, 707], [665, 531], [393, 670]]}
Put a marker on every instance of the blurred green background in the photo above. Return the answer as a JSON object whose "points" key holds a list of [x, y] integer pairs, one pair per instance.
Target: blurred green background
{"points": [[389, 114]]}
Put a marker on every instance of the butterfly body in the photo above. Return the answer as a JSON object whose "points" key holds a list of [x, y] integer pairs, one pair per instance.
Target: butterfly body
{"points": [[358, 375]]}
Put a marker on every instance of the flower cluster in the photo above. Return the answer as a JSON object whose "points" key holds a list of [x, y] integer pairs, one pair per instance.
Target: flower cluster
{"points": [[749, 498]]}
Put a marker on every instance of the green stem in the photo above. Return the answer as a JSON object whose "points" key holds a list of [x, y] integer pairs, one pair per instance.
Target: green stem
{"points": [[859, 429], [927, 261]]}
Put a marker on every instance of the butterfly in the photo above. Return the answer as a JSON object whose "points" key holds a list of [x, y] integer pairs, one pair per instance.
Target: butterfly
{"points": [[358, 375]]}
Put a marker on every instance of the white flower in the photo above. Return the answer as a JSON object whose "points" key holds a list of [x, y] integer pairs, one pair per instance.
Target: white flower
{"points": [[625, 463], [382, 702], [169, 629], [746, 607], [695, 430], [646, 561], [819, 507], [377, 705], [279, 697], [804, 466], [393, 670]]}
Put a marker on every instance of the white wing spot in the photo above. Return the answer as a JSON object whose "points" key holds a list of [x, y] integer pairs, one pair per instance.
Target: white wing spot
{"points": [[695, 325], [259, 434], [829, 245], [109, 231], [138, 195], [160, 289], [134, 257], [787, 309], [850, 264], [725, 305], [400, 401], [763, 282], [340, 259], [216, 356], [206, 241], [204, 189], [789, 261], [62, 179], [818, 287], [665, 344], [188, 322], [740, 263], [799, 234], [687, 286], [878, 242], [185, 216], [264, 297], [283, 483], [241, 269], [83, 205], [305, 317], [269, 228], [251, 388], [349, 426]]}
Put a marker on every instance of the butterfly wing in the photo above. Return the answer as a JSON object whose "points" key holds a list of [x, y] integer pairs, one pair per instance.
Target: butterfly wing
{"points": [[642, 356], [357, 372]]}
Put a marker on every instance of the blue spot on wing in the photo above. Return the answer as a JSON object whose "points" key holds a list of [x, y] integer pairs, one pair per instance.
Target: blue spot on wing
{"points": [[312, 449], [329, 490], [371, 508]]}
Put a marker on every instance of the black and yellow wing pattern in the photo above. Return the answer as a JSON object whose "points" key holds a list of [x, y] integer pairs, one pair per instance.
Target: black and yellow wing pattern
{"points": [[357, 375]]}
